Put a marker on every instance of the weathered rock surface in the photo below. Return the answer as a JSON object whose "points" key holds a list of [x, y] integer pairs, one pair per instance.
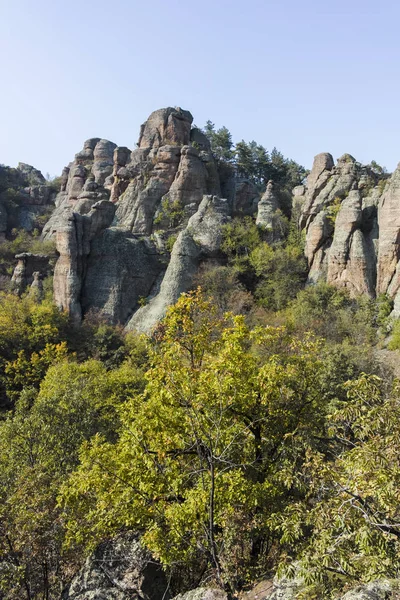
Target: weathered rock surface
{"points": [[73, 242], [199, 241], [246, 198], [30, 269], [288, 589], [350, 215], [26, 199], [350, 225], [377, 590], [120, 569], [31, 175], [36, 289], [203, 593], [166, 126], [268, 215], [110, 264]]}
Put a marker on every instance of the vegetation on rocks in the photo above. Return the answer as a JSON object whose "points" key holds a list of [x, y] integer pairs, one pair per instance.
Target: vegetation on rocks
{"points": [[229, 440], [254, 430]]}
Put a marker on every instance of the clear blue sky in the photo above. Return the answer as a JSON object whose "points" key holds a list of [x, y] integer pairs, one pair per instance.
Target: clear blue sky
{"points": [[306, 76]]}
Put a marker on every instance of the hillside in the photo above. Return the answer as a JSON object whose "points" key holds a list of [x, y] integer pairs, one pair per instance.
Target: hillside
{"points": [[197, 373]]}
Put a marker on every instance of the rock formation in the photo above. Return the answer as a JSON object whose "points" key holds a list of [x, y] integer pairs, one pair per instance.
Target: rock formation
{"points": [[351, 218], [26, 199], [118, 213], [30, 269], [288, 589], [269, 215], [199, 241], [119, 569]]}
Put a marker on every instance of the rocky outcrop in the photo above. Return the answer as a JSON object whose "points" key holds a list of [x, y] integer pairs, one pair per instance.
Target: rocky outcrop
{"points": [[288, 589], [36, 289], [246, 198], [32, 176], [349, 213], [339, 210], [30, 269], [377, 590], [119, 569], [389, 237], [199, 241], [351, 263], [155, 191], [166, 126], [26, 199], [73, 243], [82, 184], [269, 215], [203, 593]]}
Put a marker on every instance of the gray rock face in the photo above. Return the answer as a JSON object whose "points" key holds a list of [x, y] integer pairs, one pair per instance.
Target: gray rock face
{"points": [[339, 211], [288, 589], [268, 215], [167, 126], [246, 198], [29, 271], [200, 240], [377, 590], [73, 242], [33, 176], [120, 569], [109, 263], [203, 593], [351, 263], [83, 184], [26, 199], [121, 269]]}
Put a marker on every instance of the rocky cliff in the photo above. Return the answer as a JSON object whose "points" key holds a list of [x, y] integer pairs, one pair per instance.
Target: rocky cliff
{"points": [[26, 199], [132, 227], [350, 215], [119, 214]]}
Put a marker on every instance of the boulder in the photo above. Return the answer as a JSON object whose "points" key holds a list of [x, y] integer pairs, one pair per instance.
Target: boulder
{"points": [[119, 569], [203, 593], [377, 590]]}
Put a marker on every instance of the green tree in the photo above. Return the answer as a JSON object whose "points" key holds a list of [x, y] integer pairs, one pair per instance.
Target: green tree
{"points": [[39, 446], [352, 508], [240, 238], [210, 450], [221, 142], [282, 273], [29, 335]]}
